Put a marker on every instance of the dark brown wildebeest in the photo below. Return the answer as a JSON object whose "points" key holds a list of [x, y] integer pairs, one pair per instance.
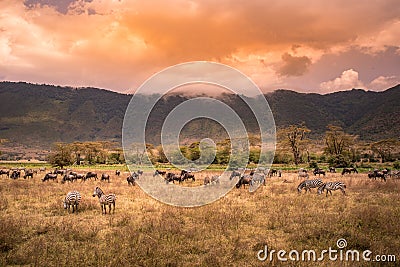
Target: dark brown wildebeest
{"points": [[91, 175], [318, 171], [28, 173], [172, 177], [104, 177], [49, 176], [158, 172], [332, 169], [349, 170], [117, 172], [131, 179], [6, 172], [246, 179], [188, 176], [15, 174], [234, 174]]}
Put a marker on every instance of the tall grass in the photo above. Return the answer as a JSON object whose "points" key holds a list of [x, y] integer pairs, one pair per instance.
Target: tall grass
{"points": [[36, 230]]}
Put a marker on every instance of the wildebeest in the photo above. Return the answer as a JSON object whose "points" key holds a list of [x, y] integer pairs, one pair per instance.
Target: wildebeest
{"points": [[104, 177], [158, 172], [90, 175], [214, 179], [302, 174], [172, 177], [62, 172], [49, 176], [377, 174], [188, 176], [6, 172], [319, 171], [234, 174], [117, 172], [273, 172], [15, 174], [140, 172], [42, 169], [349, 170], [68, 178], [258, 178], [332, 169], [28, 173], [131, 179], [245, 179]]}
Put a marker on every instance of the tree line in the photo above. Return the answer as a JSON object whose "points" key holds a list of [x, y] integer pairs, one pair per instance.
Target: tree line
{"points": [[294, 146]]}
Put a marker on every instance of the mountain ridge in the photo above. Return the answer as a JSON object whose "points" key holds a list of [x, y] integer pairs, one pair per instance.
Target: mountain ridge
{"points": [[39, 115]]}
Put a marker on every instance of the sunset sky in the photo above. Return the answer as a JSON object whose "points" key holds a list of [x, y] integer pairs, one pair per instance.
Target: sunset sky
{"points": [[307, 46]]}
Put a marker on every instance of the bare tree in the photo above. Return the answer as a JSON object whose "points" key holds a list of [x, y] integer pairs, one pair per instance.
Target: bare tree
{"points": [[337, 141], [294, 137]]}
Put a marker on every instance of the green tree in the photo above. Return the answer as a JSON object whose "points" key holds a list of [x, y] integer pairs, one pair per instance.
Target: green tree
{"points": [[61, 155], [385, 148]]}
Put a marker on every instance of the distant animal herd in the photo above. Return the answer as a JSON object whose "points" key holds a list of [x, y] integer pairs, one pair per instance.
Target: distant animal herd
{"points": [[255, 176]]}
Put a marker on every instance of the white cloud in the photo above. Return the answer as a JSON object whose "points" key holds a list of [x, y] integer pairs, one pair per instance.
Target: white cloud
{"points": [[348, 80], [383, 82]]}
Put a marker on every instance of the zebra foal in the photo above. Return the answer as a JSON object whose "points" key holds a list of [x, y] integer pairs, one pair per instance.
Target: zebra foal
{"points": [[332, 186], [72, 199], [105, 200]]}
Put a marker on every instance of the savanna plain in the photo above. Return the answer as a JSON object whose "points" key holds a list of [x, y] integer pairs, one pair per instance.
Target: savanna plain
{"points": [[35, 230]]}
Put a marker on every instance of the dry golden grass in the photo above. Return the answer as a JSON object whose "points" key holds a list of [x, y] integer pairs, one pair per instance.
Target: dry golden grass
{"points": [[36, 230]]}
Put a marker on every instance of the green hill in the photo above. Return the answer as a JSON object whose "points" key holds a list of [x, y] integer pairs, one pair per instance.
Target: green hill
{"points": [[39, 115]]}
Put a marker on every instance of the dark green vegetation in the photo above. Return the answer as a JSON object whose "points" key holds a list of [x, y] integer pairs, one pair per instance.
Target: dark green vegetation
{"points": [[39, 115], [36, 230]]}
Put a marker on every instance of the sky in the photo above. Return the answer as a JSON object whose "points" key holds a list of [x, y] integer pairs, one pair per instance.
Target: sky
{"points": [[303, 45]]}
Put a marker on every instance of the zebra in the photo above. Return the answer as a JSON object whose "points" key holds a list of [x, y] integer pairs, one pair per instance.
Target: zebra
{"points": [[105, 200], [308, 184], [329, 186], [72, 199]]}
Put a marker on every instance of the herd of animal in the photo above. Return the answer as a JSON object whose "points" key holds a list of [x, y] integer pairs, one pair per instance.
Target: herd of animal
{"points": [[73, 198]]}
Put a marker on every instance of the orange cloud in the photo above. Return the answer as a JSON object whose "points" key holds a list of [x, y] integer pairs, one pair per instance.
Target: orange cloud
{"points": [[118, 44]]}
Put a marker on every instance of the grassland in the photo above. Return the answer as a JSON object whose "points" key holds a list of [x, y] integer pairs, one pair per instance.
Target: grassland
{"points": [[36, 230]]}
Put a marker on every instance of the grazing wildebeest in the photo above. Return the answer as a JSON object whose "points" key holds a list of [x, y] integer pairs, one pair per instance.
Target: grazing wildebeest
{"points": [[131, 179], [90, 175], [258, 178], [117, 172], [15, 174], [207, 180], [28, 173], [302, 174], [6, 172], [62, 172], [318, 171], [245, 179], [140, 172], [234, 174], [42, 169], [172, 177], [104, 177], [332, 169], [188, 176], [377, 174], [158, 172], [68, 178], [272, 172], [349, 170], [49, 176]]}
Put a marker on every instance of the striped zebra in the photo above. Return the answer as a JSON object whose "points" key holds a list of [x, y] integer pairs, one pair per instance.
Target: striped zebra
{"points": [[72, 199], [308, 184], [105, 200], [329, 186]]}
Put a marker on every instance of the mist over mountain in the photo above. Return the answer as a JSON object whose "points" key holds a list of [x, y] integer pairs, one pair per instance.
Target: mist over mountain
{"points": [[39, 115]]}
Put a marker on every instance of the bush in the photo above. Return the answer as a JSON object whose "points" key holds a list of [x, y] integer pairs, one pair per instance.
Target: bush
{"points": [[396, 165], [339, 161], [313, 165]]}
